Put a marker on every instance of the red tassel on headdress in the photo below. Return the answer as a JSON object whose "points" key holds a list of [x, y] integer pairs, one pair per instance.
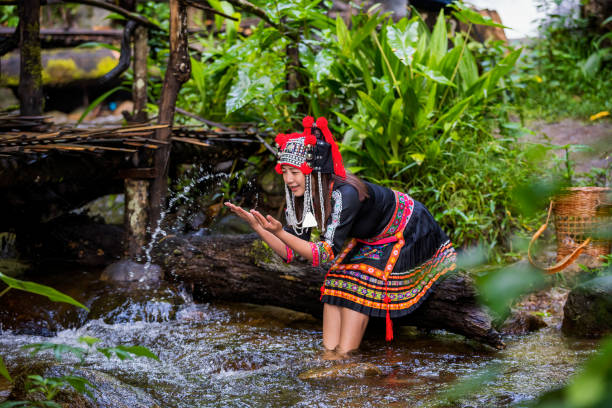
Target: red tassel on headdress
{"points": [[278, 168], [336, 156], [305, 168], [281, 139], [307, 123], [389, 324]]}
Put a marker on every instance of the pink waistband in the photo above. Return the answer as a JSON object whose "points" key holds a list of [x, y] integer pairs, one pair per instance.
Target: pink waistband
{"points": [[403, 210], [392, 238]]}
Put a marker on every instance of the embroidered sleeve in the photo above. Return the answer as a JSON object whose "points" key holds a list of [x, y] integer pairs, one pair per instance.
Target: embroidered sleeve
{"points": [[289, 257], [321, 253]]}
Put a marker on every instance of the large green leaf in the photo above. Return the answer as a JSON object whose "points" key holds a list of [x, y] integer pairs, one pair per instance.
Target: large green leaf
{"points": [[466, 15], [433, 75], [52, 294], [243, 91], [403, 42], [438, 45], [344, 38], [372, 106]]}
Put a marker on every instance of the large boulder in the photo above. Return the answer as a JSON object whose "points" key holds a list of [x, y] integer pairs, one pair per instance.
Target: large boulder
{"points": [[588, 310]]}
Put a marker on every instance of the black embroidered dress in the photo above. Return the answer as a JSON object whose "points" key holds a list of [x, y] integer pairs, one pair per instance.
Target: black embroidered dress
{"points": [[386, 253]]}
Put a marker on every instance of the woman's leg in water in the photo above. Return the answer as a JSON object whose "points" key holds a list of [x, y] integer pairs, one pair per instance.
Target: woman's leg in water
{"points": [[332, 319], [353, 325]]}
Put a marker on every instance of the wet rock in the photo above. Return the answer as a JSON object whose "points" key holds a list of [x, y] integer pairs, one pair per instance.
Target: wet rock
{"points": [[136, 302], [230, 224], [523, 322], [267, 315], [588, 310], [348, 370], [130, 271]]}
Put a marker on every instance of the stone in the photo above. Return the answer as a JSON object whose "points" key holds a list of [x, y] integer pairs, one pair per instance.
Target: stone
{"points": [[346, 370], [130, 271], [588, 310], [523, 322]]}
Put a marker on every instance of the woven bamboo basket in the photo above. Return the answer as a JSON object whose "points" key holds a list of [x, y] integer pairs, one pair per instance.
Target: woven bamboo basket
{"points": [[581, 217]]}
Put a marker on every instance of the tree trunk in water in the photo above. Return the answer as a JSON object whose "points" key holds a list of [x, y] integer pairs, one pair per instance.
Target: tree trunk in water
{"points": [[179, 67], [240, 268], [30, 73]]}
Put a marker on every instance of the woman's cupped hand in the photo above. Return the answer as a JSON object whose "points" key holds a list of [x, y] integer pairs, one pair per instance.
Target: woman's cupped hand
{"points": [[255, 219]]}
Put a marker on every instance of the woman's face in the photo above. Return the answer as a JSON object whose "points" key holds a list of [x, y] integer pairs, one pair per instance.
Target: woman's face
{"points": [[294, 179]]}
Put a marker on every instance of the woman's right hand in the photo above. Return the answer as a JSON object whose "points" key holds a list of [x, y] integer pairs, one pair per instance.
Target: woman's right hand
{"points": [[245, 215]]}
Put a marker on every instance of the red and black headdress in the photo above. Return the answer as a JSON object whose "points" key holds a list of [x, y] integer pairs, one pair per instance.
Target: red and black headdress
{"points": [[313, 150]]}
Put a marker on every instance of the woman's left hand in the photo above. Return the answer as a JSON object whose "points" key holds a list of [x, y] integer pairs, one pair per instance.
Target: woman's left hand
{"points": [[268, 223]]}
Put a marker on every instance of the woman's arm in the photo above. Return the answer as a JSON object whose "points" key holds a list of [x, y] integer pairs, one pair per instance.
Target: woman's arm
{"points": [[277, 245], [273, 227]]}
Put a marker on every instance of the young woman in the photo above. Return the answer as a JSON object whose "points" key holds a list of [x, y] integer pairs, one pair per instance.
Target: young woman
{"points": [[383, 250]]}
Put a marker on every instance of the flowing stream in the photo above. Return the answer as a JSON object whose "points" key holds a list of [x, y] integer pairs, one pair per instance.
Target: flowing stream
{"points": [[216, 355]]}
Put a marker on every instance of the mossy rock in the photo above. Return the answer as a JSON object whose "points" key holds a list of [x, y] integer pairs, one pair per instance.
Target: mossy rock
{"points": [[588, 310], [61, 67]]}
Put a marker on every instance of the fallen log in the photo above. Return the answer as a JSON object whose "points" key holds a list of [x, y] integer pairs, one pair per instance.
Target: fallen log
{"points": [[240, 268]]}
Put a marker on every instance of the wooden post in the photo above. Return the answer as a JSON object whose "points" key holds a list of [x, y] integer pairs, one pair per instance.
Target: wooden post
{"points": [[30, 71], [136, 206], [139, 88], [178, 71]]}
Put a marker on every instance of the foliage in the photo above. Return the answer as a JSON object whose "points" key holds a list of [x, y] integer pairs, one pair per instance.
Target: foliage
{"points": [[36, 288], [414, 114], [567, 69], [9, 16], [49, 387]]}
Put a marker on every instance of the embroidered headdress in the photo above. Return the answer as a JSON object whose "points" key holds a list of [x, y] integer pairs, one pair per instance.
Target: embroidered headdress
{"points": [[310, 151]]}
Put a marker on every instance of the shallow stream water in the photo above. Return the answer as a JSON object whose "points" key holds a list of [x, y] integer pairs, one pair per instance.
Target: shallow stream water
{"points": [[246, 356]]}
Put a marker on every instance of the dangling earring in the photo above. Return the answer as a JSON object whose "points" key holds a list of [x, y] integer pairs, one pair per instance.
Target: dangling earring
{"points": [[309, 220], [322, 201]]}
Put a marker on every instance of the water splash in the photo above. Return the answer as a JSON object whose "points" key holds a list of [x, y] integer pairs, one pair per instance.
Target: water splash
{"points": [[159, 232]]}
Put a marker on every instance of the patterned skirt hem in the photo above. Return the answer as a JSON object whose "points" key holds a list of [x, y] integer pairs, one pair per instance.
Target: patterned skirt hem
{"points": [[375, 312]]}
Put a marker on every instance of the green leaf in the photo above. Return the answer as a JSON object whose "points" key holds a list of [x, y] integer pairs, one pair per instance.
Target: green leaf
{"points": [[344, 38], [467, 15], [82, 385], [3, 370], [438, 45], [99, 100], [127, 352], [433, 75], [243, 91], [372, 106], [403, 43], [58, 349], [198, 76], [90, 341], [52, 294]]}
